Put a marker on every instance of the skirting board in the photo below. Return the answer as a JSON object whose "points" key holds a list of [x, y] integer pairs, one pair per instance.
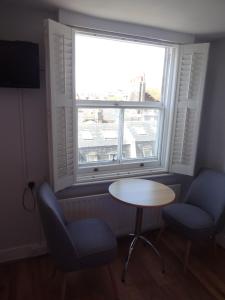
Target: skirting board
{"points": [[23, 251]]}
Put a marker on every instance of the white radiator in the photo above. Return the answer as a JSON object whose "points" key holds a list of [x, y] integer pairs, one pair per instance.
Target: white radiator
{"points": [[119, 216]]}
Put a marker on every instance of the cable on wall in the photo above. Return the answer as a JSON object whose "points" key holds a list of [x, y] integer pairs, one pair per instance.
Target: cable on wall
{"points": [[22, 135], [28, 197]]}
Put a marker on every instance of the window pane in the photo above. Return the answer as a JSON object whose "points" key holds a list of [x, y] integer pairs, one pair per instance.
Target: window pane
{"points": [[109, 69], [141, 128], [97, 134]]}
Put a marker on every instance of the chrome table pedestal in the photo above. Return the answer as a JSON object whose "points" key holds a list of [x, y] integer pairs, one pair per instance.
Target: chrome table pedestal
{"points": [[136, 236]]}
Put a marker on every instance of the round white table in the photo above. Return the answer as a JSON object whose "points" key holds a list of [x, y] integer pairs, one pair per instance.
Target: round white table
{"points": [[141, 193]]}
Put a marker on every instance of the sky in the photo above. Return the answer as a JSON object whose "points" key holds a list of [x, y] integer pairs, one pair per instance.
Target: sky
{"points": [[104, 64]]}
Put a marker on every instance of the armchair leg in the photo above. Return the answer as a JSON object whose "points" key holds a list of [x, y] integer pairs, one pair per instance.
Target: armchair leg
{"points": [[63, 290], [114, 287], [187, 254], [53, 274]]}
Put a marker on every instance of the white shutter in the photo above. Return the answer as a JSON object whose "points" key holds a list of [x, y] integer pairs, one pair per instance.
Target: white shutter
{"points": [[60, 93], [187, 115]]}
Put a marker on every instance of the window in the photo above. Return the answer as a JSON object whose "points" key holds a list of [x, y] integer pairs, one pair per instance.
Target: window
{"points": [[131, 111], [122, 102]]}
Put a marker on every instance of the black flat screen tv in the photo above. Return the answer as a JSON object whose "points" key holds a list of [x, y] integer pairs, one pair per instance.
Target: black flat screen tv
{"points": [[19, 64]]}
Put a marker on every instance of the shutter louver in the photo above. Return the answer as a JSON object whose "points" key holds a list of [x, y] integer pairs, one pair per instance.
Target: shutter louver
{"points": [[189, 96], [59, 61]]}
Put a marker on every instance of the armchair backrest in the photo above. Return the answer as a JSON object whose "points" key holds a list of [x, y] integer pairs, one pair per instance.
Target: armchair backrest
{"points": [[54, 224], [207, 191]]}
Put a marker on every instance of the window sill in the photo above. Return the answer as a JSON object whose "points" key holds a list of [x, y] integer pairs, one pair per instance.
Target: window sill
{"points": [[88, 188], [104, 178]]}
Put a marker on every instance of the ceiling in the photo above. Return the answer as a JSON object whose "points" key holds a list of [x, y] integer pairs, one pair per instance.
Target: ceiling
{"points": [[190, 16]]}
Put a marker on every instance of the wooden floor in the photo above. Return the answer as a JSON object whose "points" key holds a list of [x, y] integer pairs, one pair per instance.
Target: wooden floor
{"points": [[30, 279]]}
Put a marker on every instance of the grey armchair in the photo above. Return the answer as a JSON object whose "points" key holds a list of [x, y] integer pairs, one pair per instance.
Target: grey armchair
{"points": [[74, 245], [200, 216]]}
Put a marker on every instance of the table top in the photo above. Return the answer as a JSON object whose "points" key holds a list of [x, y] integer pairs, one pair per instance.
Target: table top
{"points": [[141, 192]]}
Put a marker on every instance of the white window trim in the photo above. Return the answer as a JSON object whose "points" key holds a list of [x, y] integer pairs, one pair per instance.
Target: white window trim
{"points": [[133, 166]]}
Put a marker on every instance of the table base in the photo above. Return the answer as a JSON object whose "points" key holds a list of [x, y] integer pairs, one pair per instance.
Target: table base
{"points": [[136, 237], [131, 248]]}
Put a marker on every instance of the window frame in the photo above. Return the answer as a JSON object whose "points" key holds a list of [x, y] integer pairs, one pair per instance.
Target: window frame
{"points": [[101, 170]]}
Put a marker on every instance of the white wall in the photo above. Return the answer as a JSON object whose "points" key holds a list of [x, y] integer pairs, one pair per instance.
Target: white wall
{"points": [[19, 228], [212, 142], [84, 21]]}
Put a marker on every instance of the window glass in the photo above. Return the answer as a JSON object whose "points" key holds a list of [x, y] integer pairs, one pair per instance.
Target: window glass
{"points": [[97, 134], [141, 133], [120, 89], [118, 70]]}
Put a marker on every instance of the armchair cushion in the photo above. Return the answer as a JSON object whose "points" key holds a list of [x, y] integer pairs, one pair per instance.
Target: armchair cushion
{"points": [[94, 241], [190, 220]]}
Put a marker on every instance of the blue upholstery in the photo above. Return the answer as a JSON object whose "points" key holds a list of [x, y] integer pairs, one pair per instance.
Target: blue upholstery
{"points": [[201, 215], [74, 245], [190, 220], [208, 192], [94, 242]]}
